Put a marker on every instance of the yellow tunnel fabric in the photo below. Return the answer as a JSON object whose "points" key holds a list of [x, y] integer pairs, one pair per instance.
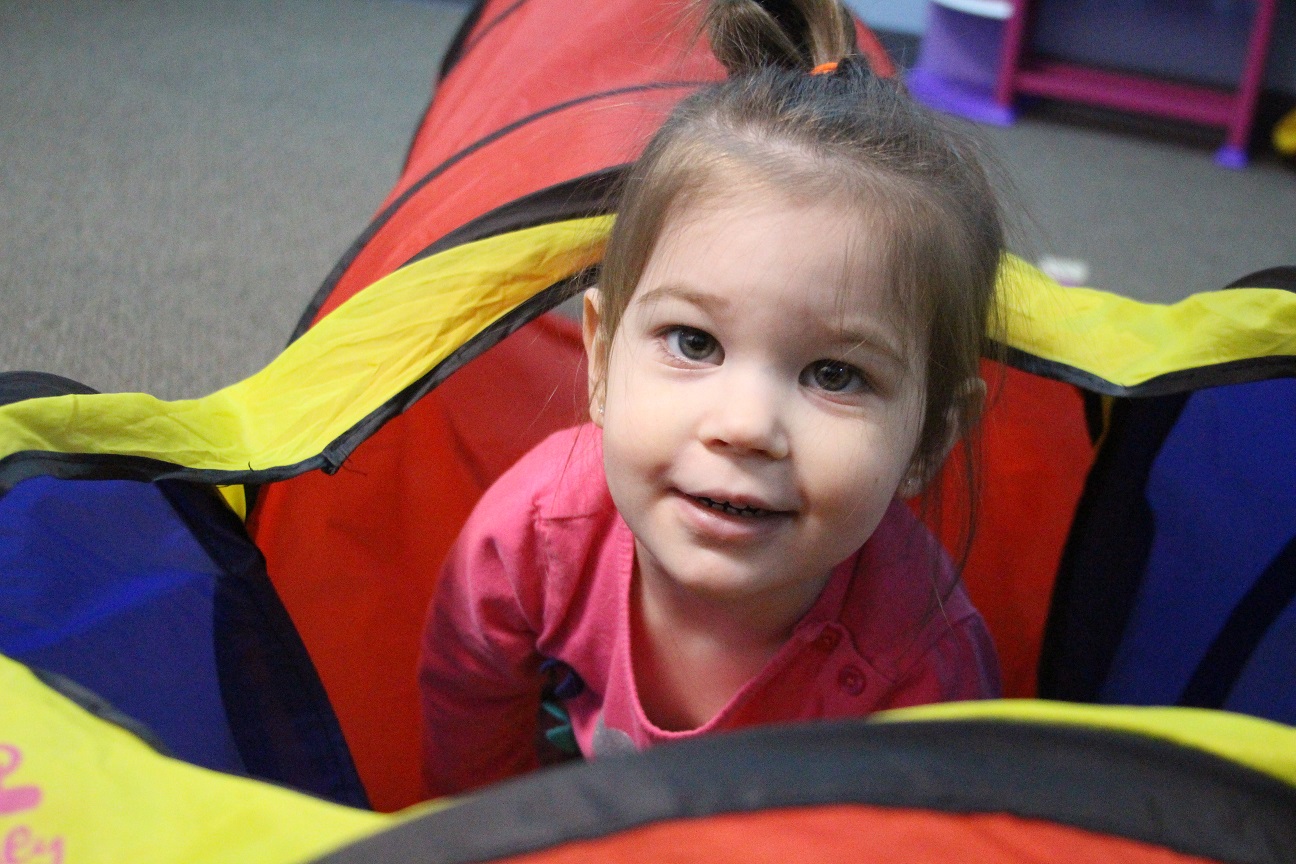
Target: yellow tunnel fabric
{"points": [[1129, 343], [1262, 745], [79, 789], [397, 330], [373, 346]]}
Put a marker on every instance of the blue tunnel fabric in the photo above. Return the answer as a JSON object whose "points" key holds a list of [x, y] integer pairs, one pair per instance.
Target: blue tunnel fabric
{"points": [[105, 585], [152, 597], [1178, 580], [1222, 492]]}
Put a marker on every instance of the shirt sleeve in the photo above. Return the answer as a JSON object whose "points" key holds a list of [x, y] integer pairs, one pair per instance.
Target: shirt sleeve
{"points": [[479, 675]]}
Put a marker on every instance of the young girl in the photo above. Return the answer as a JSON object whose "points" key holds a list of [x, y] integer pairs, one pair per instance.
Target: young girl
{"points": [[783, 344]]}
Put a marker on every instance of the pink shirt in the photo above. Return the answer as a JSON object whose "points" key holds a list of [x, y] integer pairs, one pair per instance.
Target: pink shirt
{"points": [[543, 569]]}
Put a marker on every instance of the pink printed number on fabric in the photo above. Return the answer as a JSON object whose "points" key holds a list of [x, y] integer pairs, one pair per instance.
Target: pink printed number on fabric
{"points": [[20, 844], [15, 799]]}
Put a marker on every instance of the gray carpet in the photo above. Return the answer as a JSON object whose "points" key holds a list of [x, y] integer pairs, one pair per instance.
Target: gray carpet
{"points": [[177, 178], [1144, 204]]}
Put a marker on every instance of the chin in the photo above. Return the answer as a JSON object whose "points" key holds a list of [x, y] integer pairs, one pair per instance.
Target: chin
{"points": [[718, 584]]}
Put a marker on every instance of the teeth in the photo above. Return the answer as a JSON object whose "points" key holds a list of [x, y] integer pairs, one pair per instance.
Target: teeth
{"points": [[726, 507]]}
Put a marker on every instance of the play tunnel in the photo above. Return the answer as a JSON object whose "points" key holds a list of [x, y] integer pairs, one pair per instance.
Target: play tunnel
{"points": [[241, 578]]}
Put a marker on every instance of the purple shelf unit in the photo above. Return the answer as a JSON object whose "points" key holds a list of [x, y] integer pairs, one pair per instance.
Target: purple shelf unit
{"points": [[1200, 61]]}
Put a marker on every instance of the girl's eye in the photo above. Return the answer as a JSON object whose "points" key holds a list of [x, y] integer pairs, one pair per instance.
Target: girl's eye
{"points": [[692, 344], [833, 376]]}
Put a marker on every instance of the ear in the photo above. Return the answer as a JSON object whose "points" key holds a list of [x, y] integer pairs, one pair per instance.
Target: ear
{"points": [[595, 351], [968, 402]]}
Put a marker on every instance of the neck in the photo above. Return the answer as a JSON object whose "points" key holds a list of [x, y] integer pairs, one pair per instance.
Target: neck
{"points": [[693, 651], [744, 625]]}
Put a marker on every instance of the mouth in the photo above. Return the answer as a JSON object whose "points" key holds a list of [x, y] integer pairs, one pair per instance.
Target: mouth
{"points": [[735, 509]]}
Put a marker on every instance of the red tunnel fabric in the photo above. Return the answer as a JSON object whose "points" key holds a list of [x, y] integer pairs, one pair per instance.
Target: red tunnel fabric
{"points": [[819, 835], [1035, 455], [355, 555]]}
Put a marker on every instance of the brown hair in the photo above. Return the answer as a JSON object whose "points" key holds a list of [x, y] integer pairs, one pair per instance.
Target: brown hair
{"points": [[845, 134]]}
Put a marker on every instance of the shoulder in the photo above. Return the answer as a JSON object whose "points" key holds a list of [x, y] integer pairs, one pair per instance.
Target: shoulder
{"points": [[905, 595], [549, 529], [561, 476], [897, 575], [942, 649]]}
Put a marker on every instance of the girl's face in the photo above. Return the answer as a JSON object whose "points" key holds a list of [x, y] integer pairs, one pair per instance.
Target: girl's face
{"points": [[761, 404]]}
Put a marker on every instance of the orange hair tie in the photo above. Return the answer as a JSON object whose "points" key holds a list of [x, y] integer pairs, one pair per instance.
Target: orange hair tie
{"points": [[824, 68]]}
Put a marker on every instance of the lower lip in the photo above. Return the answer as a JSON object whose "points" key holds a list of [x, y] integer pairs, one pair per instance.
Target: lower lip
{"points": [[709, 523]]}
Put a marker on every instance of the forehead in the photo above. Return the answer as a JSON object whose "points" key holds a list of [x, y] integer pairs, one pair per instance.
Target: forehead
{"points": [[822, 258]]}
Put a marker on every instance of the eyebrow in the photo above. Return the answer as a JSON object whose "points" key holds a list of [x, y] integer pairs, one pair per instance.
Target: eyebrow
{"points": [[858, 346], [674, 291]]}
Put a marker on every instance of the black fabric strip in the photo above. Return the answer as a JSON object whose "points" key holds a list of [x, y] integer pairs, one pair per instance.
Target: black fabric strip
{"points": [[337, 452], [481, 34], [17, 467], [1259, 608], [451, 57], [1283, 278], [18, 386], [25, 464], [1232, 372], [1095, 418], [592, 194], [1112, 783], [1106, 553], [456, 52], [279, 713], [335, 275], [20, 466], [100, 707]]}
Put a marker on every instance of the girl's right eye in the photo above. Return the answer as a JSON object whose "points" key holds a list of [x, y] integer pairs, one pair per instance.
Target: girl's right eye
{"points": [[689, 343]]}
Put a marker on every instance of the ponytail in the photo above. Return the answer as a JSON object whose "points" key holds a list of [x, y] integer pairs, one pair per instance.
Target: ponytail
{"points": [[798, 35]]}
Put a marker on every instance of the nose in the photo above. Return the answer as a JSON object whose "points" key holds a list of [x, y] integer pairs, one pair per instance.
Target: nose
{"points": [[746, 414]]}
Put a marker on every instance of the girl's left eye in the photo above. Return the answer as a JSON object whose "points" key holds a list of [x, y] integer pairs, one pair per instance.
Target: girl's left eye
{"points": [[689, 343], [833, 376]]}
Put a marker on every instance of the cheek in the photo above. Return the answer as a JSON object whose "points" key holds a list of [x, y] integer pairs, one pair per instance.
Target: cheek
{"points": [[632, 475], [619, 376], [852, 491], [856, 476], [631, 441], [637, 390], [634, 448]]}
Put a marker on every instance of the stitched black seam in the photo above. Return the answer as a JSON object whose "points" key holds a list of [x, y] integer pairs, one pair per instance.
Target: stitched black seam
{"points": [[482, 33], [1241, 371]]}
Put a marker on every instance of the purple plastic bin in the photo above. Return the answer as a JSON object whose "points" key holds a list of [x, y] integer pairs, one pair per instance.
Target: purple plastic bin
{"points": [[958, 66]]}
